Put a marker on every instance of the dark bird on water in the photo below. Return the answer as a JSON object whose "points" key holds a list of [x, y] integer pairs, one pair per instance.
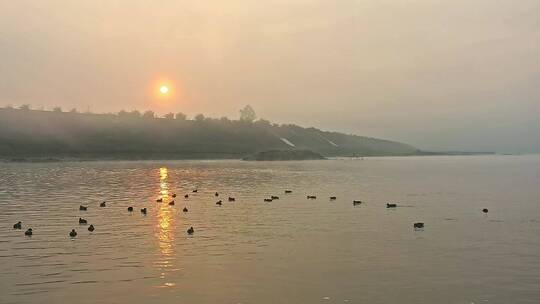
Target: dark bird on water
{"points": [[174, 195], [288, 191], [190, 230], [73, 233], [159, 200], [130, 209], [28, 232], [232, 199], [83, 208], [171, 203], [274, 197], [143, 210], [216, 194], [418, 225], [102, 204], [485, 210], [185, 209], [18, 225], [186, 196], [267, 199], [82, 221], [311, 197], [333, 198], [194, 190], [388, 205], [356, 203], [91, 228], [218, 203]]}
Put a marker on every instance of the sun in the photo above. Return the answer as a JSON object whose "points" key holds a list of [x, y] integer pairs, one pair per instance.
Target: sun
{"points": [[164, 89]]}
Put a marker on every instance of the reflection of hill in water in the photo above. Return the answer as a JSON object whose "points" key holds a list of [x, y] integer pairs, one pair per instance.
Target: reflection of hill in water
{"points": [[27, 133]]}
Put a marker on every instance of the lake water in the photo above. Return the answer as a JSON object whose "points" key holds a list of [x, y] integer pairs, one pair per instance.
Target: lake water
{"points": [[290, 250]]}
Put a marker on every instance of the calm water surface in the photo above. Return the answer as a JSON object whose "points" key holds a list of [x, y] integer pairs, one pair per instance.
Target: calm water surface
{"points": [[291, 250]]}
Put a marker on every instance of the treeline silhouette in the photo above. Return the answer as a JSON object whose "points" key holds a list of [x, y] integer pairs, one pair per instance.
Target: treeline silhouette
{"points": [[132, 135]]}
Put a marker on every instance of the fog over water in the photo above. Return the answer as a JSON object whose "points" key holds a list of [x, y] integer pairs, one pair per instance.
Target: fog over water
{"points": [[440, 75]]}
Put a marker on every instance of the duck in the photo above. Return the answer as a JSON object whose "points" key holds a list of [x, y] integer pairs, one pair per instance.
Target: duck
{"points": [[143, 210], [83, 208], [388, 205], [232, 199], [485, 210], [288, 191], [82, 221], [102, 204], [171, 203], [194, 190], [174, 195], [190, 230], [186, 196], [28, 232], [218, 203], [274, 197], [91, 228], [355, 202], [267, 199], [73, 233], [159, 200], [333, 198], [216, 194], [18, 225], [130, 209], [418, 225], [311, 197], [185, 209]]}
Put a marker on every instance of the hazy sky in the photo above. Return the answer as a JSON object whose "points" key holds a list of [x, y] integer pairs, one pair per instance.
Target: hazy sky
{"points": [[438, 74]]}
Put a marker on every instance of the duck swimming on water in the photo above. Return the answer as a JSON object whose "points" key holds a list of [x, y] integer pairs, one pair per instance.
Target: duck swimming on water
{"points": [[485, 210], [174, 195], [218, 203], [171, 203], [73, 233], [418, 225], [288, 191], [102, 204], [18, 225], [159, 200], [186, 196], [91, 228], [143, 210], [232, 199], [274, 197], [83, 208], [130, 209], [333, 198], [190, 230], [388, 205], [356, 203], [82, 221], [28, 232], [216, 194], [185, 209], [267, 199]]}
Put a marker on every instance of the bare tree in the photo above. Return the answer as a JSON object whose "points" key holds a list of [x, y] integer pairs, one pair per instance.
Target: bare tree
{"points": [[149, 114], [135, 114], [169, 116], [199, 117], [180, 116], [247, 114]]}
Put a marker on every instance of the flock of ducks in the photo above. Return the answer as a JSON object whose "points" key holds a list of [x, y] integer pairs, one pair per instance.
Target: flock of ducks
{"points": [[191, 230]]}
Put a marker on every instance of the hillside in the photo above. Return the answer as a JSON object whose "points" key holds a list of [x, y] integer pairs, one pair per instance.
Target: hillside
{"points": [[34, 133]]}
